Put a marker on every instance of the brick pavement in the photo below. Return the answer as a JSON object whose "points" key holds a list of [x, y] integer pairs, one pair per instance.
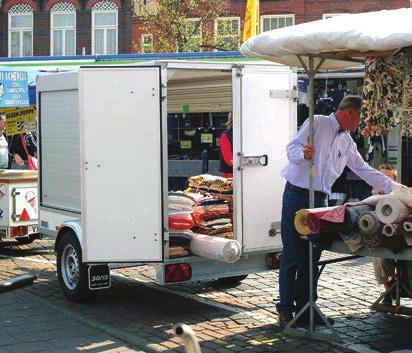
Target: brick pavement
{"points": [[137, 312]]}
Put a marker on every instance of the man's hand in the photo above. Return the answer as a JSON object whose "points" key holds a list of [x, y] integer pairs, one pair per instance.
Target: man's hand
{"points": [[309, 151]]}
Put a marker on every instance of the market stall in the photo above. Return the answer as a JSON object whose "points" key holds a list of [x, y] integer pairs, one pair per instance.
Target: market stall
{"points": [[342, 42], [18, 188]]}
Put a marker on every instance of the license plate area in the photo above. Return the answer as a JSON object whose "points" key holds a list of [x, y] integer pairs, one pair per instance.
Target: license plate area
{"points": [[99, 277]]}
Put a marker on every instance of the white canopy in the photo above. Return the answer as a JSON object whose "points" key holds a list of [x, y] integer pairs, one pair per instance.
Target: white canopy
{"points": [[351, 35]]}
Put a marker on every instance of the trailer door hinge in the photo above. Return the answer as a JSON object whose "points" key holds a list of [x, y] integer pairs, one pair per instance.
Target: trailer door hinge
{"points": [[284, 93], [252, 161]]}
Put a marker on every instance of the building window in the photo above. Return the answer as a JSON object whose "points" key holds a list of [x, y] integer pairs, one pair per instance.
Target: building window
{"points": [[21, 30], [63, 29], [269, 22], [192, 29], [330, 15], [104, 28], [147, 43], [227, 33]]}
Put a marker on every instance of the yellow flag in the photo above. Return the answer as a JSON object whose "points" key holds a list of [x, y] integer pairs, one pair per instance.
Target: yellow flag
{"points": [[251, 25]]}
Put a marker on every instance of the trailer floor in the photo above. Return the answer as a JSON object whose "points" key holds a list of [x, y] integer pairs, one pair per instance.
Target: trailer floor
{"points": [[136, 315]]}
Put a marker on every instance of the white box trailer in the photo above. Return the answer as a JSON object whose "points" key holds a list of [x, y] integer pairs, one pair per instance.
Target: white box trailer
{"points": [[104, 164]]}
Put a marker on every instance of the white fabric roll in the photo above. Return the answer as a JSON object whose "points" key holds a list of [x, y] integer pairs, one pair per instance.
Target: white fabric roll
{"points": [[370, 201], [391, 210], [215, 248], [405, 195]]}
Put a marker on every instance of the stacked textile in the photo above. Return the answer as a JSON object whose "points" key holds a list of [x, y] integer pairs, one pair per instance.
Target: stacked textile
{"points": [[213, 217], [180, 223], [218, 187], [378, 221]]}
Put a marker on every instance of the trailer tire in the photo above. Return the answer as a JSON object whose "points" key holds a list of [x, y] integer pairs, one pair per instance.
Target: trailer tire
{"points": [[71, 271], [231, 281]]}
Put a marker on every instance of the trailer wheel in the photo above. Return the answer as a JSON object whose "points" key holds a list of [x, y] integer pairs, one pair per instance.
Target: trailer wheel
{"points": [[71, 271], [231, 281]]}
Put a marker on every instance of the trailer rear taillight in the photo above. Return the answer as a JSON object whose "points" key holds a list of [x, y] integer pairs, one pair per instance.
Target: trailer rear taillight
{"points": [[178, 272], [19, 231]]}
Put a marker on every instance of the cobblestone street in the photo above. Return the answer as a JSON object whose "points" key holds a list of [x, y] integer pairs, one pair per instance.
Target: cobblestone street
{"points": [[136, 315]]}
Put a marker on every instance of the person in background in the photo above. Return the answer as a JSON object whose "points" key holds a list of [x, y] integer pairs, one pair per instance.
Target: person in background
{"points": [[226, 150], [18, 151], [385, 268], [332, 150], [4, 146]]}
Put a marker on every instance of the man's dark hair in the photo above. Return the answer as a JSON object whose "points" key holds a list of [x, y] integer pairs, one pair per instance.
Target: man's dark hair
{"points": [[354, 102]]}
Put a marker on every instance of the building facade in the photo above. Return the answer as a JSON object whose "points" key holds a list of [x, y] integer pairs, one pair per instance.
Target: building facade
{"points": [[273, 14], [64, 27]]}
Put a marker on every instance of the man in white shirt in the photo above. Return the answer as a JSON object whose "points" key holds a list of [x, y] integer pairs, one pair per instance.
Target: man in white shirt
{"points": [[333, 149], [4, 146]]}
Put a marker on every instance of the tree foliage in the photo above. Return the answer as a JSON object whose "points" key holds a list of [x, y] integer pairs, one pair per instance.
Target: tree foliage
{"points": [[188, 25]]}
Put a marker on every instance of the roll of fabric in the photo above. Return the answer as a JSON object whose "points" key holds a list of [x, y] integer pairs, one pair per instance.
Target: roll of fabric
{"points": [[396, 241], [309, 220], [355, 243], [389, 230], [405, 195], [370, 201], [352, 214], [347, 236], [372, 240], [406, 229], [215, 248], [369, 223], [315, 222], [391, 210], [301, 223], [406, 226]]}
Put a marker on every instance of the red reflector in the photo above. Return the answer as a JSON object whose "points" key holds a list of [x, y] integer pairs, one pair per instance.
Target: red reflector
{"points": [[178, 272], [24, 230]]}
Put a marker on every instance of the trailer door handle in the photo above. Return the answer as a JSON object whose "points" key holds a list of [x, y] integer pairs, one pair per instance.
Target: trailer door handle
{"points": [[252, 161]]}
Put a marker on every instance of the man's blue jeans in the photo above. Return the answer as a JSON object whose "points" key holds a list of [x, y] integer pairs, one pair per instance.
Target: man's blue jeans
{"points": [[294, 261]]}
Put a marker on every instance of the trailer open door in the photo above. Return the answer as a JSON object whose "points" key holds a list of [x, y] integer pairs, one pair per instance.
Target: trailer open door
{"points": [[269, 106], [121, 156]]}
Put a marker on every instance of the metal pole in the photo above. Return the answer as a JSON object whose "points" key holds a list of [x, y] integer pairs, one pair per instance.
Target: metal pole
{"points": [[311, 75], [311, 70]]}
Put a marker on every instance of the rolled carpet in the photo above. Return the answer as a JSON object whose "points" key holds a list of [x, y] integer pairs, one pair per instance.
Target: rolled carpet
{"points": [[405, 195], [352, 214], [215, 248], [406, 226], [369, 223], [309, 220], [315, 222], [301, 223], [355, 243], [406, 229], [391, 210], [372, 240], [389, 230]]}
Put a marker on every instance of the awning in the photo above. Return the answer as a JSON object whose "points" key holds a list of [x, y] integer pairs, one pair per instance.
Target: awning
{"points": [[352, 36]]}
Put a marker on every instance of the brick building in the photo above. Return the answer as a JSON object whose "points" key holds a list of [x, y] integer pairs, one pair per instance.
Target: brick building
{"points": [[273, 14], [64, 27]]}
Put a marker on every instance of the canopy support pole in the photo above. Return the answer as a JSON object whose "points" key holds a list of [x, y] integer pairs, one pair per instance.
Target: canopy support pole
{"points": [[311, 71]]}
